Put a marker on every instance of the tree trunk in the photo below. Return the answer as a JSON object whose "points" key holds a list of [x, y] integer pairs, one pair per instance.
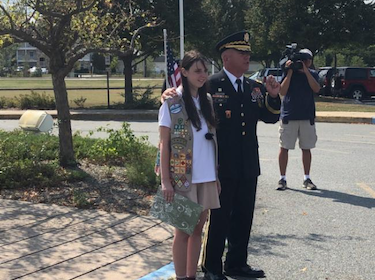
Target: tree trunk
{"points": [[66, 153], [127, 60]]}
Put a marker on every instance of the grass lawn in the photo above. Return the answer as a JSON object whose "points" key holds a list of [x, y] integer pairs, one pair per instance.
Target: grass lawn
{"points": [[99, 97], [341, 104], [93, 97]]}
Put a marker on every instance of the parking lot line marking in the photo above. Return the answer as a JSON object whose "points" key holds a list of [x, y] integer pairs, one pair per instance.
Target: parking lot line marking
{"points": [[367, 189]]}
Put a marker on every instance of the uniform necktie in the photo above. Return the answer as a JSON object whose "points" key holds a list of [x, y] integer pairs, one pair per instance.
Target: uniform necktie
{"points": [[239, 88]]}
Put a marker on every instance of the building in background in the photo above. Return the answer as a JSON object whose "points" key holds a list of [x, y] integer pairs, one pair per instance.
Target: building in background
{"points": [[29, 56]]}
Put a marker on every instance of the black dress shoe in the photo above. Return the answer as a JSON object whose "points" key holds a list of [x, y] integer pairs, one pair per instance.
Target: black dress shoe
{"points": [[211, 276], [245, 271]]}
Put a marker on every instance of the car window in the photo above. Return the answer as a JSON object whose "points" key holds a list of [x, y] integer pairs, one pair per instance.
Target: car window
{"points": [[372, 73], [322, 73], [356, 74]]}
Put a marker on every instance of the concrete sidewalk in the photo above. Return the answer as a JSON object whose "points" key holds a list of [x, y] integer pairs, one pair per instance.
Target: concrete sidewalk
{"points": [[152, 115], [45, 242]]}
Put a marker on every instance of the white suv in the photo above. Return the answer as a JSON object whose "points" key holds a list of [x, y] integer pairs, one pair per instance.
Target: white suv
{"points": [[276, 72]]}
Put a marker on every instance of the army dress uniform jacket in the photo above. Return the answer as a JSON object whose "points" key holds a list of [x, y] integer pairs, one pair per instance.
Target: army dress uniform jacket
{"points": [[237, 124]]}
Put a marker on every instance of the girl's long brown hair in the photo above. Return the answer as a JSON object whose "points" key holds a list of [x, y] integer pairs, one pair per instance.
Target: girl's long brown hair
{"points": [[189, 59]]}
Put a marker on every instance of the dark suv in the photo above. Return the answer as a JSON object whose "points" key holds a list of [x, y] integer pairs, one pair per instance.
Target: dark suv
{"points": [[356, 82], [325, 75]]}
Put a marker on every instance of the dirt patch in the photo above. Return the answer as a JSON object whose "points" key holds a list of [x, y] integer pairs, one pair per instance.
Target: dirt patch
{"points": [[105, 188]]}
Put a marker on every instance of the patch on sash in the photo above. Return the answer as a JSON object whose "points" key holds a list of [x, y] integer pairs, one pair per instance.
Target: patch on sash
{"points": [[178, 143], [179, 128], [180, 182], [175, 108]]}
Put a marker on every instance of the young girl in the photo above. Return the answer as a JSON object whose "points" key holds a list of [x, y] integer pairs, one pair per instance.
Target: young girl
{"points": [[188, 156]]}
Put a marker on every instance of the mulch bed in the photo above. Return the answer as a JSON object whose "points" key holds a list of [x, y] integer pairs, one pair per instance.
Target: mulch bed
{"points": [[105, 189]]}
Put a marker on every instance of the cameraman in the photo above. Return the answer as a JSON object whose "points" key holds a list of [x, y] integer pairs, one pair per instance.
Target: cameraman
{"points": [[297, 118]]}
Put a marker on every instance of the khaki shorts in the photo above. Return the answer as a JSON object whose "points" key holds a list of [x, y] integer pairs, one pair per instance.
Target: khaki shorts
{"points": [[301, 129], [204, 194]]}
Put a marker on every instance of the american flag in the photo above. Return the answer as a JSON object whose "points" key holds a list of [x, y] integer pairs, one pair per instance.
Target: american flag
{"points": [[174, 75]]}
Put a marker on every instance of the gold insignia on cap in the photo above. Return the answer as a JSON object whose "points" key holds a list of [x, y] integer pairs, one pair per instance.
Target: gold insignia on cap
{"points": [[246, 37]]}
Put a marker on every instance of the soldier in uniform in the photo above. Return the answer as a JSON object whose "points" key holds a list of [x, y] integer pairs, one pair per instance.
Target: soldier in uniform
{"points": [[239, 103]]}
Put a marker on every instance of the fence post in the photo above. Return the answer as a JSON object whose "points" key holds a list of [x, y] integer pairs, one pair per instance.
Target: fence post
{"points": [[108, 104]]}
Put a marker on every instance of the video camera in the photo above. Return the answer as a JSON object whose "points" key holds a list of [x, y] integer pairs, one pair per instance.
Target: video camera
{"points": [[291, 53]]}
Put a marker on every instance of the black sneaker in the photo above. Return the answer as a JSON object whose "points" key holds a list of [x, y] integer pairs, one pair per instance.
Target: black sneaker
{"points": [[211, 276], [309, 185], [282, 186]]}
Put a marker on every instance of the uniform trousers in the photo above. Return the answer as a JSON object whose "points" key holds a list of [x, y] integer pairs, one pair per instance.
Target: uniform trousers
{"points": [[232, 222]]}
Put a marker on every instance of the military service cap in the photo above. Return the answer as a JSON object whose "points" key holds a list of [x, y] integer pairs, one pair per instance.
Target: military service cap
{"points": [[238, 41]]}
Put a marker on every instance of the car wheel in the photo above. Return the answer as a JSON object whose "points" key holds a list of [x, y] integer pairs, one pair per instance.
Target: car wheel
{"points": [[357, 94]]}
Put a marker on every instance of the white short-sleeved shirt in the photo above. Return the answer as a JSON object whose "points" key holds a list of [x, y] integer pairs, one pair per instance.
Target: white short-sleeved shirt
{"points": [[203, 169]]}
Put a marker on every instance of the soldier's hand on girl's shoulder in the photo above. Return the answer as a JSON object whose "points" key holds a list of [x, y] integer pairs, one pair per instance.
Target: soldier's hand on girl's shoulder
{"points": [[168, 93]]}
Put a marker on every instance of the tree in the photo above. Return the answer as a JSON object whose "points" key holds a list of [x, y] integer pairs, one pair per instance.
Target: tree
{"points": [[7, 57], [65, 31], [317, 25], [222, 18], [159, 14]]}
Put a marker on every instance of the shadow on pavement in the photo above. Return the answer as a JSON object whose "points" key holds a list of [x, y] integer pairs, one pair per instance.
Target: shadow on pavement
{"points": [[341, 197]]}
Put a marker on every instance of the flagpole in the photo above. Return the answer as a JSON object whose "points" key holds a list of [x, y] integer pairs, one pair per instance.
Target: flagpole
{"points": [[165, 57], [182, 52]]}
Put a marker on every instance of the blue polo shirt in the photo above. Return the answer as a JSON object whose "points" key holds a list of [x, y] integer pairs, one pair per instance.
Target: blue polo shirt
{"points": [[298, 103]]}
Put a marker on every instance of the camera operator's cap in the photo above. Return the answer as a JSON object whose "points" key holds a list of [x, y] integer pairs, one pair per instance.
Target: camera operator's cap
{"points": [[307, 52], [239, 41]]}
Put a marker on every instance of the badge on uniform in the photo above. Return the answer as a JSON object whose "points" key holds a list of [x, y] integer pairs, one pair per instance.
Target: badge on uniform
{"points": [[257, 96], [175, 108], [228, 114]]}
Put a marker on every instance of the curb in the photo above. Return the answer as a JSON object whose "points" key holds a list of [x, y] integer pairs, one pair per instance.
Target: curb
{"points": [[341, 119], [152, 115], [98, 115]]}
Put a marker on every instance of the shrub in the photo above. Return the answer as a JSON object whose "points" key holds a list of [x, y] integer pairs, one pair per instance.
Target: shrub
{"points": [[121, 148], [35, 101], [142, 100], [30, 159], [3, 102], [80, 199], [80, 102]]}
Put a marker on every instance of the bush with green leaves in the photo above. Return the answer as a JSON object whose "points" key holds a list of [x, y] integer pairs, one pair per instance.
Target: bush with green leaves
{"points": [[35, 101], [31, 159], [7, 103], [3, 102], [121, 148], [141, 100], [28, 159], [80, 102]]}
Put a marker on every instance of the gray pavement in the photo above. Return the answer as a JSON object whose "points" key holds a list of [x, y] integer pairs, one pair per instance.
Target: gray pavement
{"points": [[297, 234]]}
